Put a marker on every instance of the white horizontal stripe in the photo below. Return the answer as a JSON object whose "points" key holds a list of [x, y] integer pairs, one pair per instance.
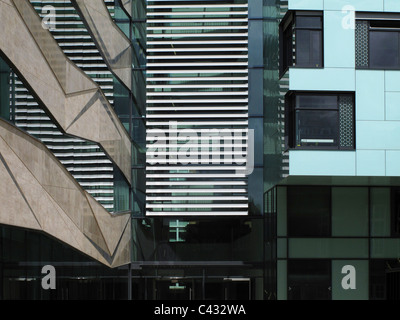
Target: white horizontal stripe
{"points": [[192, 64], [202, 146], [96, 184], [93, 176], [227, 49], [230, 20], [151, 154], [317, 140], [188, 86], [202, 34], [189, 168], [199, 71], [205, 123], [197, 160], [163, 131], [88, 169], [196, 175], [191, 115], [197, 57], [105, 191], [194, 213], [201, 205], [216, 5], [199, 93], [228, 27], [245, 108], [194, 183], [199, 101], [168, 43], [198, 198], [164, 190], [197, 13], [203, 137]]}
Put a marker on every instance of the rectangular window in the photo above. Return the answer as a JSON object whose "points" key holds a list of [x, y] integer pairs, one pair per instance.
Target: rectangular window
{"points": [[319, 120], [309, 211], [301, 40], [309, 280], [378, 44]]}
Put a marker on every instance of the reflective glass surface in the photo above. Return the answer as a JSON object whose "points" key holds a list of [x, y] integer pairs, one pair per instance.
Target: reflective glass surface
{"points": [[308, 210], [384, 49]]}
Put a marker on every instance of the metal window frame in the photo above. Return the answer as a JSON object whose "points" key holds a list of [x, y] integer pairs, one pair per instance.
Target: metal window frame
{"points": [[290, 119]]}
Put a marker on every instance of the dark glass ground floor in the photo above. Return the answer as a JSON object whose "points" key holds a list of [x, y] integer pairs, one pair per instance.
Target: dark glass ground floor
{"points": [[23, 253]]}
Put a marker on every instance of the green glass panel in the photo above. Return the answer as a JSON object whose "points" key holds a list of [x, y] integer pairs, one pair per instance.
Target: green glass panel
{"points": [[349, 211], [380, 212], [328, 248], [385, 248], [121, 192], [282, 211], [282, 248], [122, 103], [282, 280]]}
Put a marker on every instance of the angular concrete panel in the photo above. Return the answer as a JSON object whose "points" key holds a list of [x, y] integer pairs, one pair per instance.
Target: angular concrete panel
{"points": [[127, 5], [112, 43], [64, 90], [38, 193]]}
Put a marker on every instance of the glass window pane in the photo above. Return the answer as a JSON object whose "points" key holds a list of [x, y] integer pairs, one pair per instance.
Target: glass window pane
{"points": [[287, 48], [4, 90], [317, 101], [308, 211], [308, 22], [380, 212], [316, 48], [349, 211], [308, 48], [316, 128], [302, 47], [385, 248], [121, 192], [384, 49]]}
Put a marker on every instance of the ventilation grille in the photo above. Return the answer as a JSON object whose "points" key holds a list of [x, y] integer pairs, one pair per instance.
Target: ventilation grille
{"points": [[346, 115], [362, 44]]}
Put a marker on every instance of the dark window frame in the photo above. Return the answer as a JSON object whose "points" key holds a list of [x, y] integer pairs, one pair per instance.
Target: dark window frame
{"points": [[394, 227], [290, 120], [382, 20], [288, 49]]}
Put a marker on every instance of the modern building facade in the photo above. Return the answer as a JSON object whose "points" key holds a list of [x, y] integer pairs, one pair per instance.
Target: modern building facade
{"points": [[200, 150], [336, 206]]}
